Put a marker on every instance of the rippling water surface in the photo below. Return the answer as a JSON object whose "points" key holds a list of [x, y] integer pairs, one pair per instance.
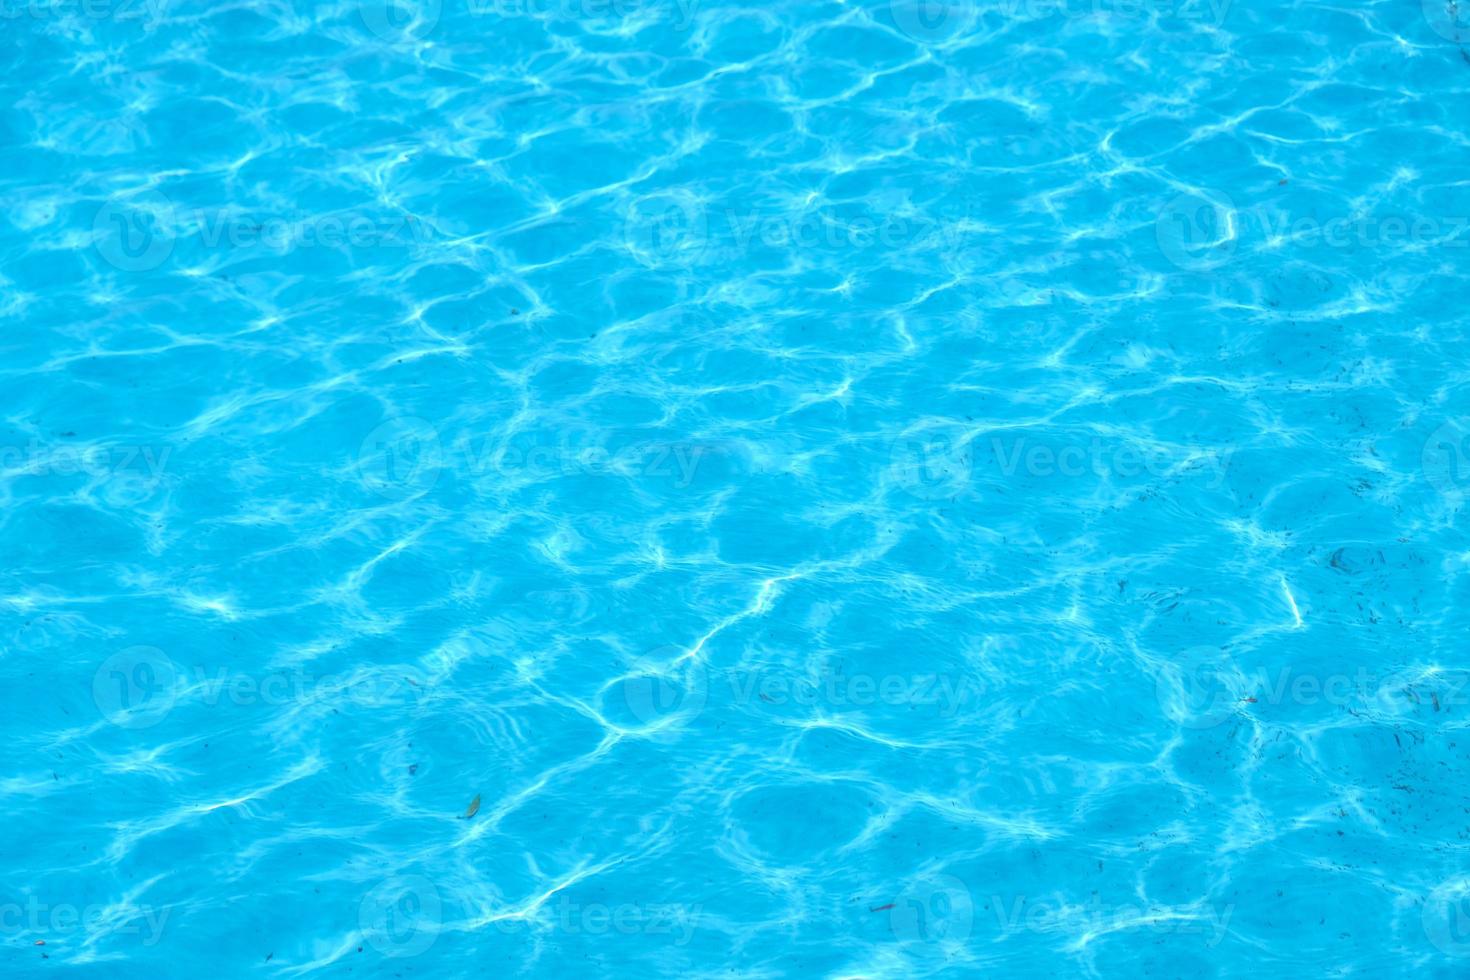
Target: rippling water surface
{"points": [[686, 488]]}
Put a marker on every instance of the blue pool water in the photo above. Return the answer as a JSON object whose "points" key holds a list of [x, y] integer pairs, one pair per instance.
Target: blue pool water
{"points": [[682, 488]]}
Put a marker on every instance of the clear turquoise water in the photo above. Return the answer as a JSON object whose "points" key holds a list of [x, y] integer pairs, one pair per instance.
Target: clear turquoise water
{"points": [[852, 489]]}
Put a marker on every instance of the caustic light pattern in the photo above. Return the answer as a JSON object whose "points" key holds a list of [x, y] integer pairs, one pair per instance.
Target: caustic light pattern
{"points": [[691, 488]]}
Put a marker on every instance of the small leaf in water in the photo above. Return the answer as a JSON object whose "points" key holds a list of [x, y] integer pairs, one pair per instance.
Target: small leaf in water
{"points": [[474, 807]]}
